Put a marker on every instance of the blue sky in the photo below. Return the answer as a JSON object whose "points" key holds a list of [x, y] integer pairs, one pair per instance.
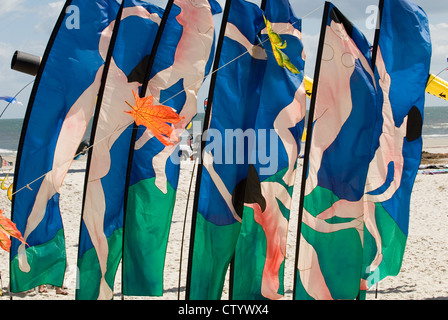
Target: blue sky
{"points": [[26, 25]]}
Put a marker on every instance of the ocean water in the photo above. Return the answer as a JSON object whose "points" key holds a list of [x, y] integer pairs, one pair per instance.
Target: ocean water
{"points": [[10, 130], [435, 125], [435, 122]]}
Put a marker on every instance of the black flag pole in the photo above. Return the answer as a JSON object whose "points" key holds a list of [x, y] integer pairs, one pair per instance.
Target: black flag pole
{"points": [[377, 33], [142, 94], [308, 138], [207, 118]]}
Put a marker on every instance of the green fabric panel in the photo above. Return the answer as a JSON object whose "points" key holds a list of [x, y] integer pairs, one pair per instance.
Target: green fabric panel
{"points": [[319, 200], [89, 272], [301, 293], [214, 247], [50, 268], [393, 242], [250, 258], [340, 259], [340, 253], [147, 226]]}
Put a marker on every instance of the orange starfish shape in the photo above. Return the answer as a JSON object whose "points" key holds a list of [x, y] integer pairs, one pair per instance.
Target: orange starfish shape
{"points": [[155, 118]]}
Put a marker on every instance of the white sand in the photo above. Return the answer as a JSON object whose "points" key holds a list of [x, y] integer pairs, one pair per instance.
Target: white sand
{"points": [[424, 273]]}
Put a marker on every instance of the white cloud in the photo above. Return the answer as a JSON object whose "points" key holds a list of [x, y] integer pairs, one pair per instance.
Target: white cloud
{"points": [[6, 53], [48, 14], [439, 46], [57, 4], [433, 7], [9, 6], [310, 43]]}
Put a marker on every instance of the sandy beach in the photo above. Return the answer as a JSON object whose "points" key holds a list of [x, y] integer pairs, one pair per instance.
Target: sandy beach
{"points": [[424, 273]]}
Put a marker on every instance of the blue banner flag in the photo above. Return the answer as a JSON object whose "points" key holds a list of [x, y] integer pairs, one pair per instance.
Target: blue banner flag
{"points": [[339, 148], [182, 61], [101, 238], [267, 196], [233, 106], [402, 69], [61, 105]]}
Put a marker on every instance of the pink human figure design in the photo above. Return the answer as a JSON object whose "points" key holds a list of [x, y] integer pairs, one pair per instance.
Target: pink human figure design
{"points": [[270, 218], [112, 122], [333, 107], [71, 134], [274, 224], [288, 118], [190, 60], [334, 103], [292, 114], [390, 150], [275, 227], [391, 144]]}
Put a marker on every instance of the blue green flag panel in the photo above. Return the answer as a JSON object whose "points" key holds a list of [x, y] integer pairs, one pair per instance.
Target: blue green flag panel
{"points": [[61, 105]]}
